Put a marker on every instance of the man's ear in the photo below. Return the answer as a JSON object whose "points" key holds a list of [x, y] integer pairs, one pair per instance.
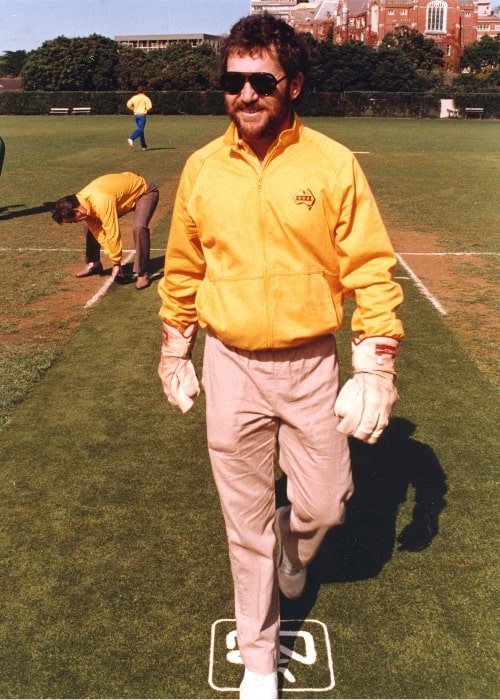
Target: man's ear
{"points": [[296, 84]]}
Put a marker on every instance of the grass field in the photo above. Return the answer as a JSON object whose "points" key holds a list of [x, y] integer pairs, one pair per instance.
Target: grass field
{"points": [[115, 579]]}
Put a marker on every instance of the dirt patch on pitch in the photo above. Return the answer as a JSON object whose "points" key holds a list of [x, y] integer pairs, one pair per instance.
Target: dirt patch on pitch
{"points": [[464, 285]]}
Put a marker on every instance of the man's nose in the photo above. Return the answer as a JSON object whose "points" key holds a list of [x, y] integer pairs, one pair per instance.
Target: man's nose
{"points": [[248, 93]]}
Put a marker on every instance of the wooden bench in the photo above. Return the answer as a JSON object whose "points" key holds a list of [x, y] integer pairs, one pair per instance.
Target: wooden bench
{"points": [[453, 114], [59, 110], [81, 110], [471, 111]]}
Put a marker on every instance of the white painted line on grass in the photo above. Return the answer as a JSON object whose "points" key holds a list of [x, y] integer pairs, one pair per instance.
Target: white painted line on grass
{"points": [[443, 254], [162, 250], [63, 250], [421, 286], [40, 250], [102, 291]]}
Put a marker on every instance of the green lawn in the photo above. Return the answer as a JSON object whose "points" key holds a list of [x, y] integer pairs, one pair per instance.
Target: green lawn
{"points": [[113, 557]]}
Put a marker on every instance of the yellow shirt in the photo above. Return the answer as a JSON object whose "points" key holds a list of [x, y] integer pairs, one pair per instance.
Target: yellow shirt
{"points": [[263, 255], [140, 104], [105, 200]]}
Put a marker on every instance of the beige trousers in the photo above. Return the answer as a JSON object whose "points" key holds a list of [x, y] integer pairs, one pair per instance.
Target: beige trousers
{"points": [[262, 405]]}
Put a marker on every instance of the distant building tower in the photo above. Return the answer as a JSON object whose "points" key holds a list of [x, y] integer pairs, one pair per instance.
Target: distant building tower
{"points": [[277, 8]]}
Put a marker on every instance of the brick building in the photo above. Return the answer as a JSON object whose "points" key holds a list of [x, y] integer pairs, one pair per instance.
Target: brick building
{"points": [[452, 24]]}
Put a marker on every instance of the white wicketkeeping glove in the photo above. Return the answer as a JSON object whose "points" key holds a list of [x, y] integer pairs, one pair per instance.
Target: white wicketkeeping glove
{"points": [[365, 402], [176, 370]]}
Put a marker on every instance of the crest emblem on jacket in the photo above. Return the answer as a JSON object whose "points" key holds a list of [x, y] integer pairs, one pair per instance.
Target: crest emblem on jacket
{"points": [[305, 197]]}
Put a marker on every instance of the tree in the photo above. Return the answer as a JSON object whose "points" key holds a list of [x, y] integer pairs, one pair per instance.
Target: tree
{"points": [[322, 59], [101, 62], [478, 82], [482, 55], [394, 72], [423, 52], [42, 69], [72, 64], [133, 68], [356, 67], [11, 63], [340, 67], [186, 68]]}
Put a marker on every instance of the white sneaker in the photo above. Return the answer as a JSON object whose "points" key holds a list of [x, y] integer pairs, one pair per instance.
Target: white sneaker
{"points": [[130, 143], [255, 686]]}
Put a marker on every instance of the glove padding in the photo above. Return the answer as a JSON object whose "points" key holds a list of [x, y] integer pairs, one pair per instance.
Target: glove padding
{"points": [[176, 370], [365, 402]]}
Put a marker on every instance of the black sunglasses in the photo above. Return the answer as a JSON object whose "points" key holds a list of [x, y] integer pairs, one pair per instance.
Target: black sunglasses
{"points": [[263, 83]]}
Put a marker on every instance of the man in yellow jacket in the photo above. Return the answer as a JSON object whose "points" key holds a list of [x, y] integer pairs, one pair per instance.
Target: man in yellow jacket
{"points": [[140, 105], [273, 224], [99, 206]]}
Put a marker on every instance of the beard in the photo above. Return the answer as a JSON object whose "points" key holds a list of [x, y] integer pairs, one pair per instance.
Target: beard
{"points": [[266, 125]]}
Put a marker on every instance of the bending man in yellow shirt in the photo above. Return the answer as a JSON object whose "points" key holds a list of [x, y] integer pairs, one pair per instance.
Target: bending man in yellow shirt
{"points": [[99, 205]]}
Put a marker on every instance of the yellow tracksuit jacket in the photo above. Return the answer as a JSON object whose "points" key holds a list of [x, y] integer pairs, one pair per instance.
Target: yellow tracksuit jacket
{"points": [[106, 199], [263, 255]]}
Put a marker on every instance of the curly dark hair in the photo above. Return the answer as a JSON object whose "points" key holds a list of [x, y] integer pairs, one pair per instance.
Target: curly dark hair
{"points": [[65, 207], [252, 34]]}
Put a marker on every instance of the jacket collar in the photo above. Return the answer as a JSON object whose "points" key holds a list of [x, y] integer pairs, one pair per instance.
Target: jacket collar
{"points": [[286, 137]]}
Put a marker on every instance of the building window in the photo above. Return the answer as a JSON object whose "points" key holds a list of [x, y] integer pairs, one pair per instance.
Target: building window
{"points": [[403, 12], [436, 17], [390, 12]]}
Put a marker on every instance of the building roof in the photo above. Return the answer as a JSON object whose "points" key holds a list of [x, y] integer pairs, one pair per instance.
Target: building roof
{"points": [[356, 7], [316, 10], [327, 9], [165, 37]]}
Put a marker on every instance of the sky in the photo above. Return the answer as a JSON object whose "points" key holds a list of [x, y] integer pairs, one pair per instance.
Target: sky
{"points": [[26, 24]]}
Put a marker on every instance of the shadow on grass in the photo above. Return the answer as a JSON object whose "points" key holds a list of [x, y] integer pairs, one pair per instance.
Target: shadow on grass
{"points": [[155, 268], [383, 475], [155, 271], [46, 206]]}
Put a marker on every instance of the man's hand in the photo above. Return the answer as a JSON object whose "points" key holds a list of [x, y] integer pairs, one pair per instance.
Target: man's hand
{"points": [[176, 370], [365, 402]]}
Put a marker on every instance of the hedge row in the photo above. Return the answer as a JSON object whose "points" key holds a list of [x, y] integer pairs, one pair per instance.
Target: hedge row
{"points": [[347, 104]]}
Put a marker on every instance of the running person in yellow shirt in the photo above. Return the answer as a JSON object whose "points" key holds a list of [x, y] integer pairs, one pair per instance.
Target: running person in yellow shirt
{"points": [[140, 105]]}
